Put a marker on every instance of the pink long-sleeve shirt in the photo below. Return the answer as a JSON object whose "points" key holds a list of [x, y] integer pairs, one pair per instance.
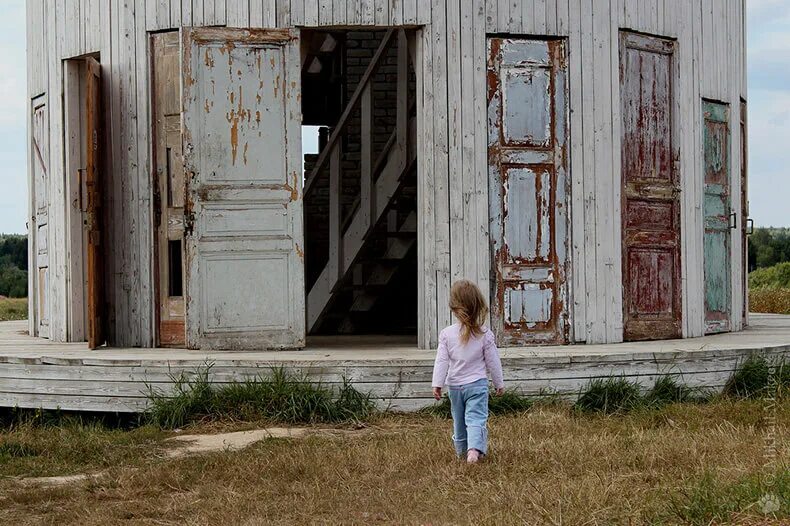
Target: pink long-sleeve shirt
{"points": [[460, 364]]}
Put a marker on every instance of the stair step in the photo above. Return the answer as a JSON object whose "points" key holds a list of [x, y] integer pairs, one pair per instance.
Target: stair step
{"points": [[364, 303], [404, 235]]}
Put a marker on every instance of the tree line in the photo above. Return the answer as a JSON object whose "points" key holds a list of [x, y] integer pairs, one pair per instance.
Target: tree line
{"points": [[13, 266], [768, 247]]}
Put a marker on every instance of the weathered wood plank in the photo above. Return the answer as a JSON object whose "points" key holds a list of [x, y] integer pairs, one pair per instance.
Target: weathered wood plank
{"points": [[441, 162], [456, 181]]}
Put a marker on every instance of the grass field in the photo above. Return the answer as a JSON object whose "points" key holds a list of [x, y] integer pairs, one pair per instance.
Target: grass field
{"points": [[13, 309], [682, 464], [770, 300]]}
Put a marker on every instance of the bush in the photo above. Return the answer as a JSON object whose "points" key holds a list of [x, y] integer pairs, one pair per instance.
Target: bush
{"points": [[609, 396], [280, 397], [775, 277], [753, 378], [668, 391]]}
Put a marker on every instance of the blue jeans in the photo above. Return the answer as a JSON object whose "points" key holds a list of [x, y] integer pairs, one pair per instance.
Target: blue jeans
{"points": [[469, 405]]}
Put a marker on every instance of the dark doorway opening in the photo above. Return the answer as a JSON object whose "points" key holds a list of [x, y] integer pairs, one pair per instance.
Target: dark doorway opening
{"points": [[360, 201]]}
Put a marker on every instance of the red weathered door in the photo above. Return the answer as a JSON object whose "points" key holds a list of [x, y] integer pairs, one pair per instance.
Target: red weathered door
{"points": [[93, 109], [650, 192], [527, 189]]}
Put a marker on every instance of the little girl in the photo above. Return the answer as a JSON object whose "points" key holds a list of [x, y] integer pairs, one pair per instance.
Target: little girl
{"points": [[466, 351]]}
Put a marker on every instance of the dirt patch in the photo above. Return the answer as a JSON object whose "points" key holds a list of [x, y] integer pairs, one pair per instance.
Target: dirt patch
{"points": [[197, 444], [186, 445]]}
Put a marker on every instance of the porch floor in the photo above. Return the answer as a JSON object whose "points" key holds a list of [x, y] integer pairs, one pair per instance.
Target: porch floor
{"points": [[36, 373]]}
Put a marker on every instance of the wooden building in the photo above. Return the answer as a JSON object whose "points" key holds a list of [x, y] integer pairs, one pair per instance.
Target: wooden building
{"points": [[582, 160]]}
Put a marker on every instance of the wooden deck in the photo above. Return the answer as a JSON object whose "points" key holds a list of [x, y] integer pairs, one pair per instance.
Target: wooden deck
{"points": [[38, 373]]}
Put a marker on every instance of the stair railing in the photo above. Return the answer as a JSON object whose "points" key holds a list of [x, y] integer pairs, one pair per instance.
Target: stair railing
{"points": [[333, 151]]}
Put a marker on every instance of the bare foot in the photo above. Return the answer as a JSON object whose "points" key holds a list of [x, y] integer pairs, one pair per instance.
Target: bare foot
{"points": [[472, 456]]}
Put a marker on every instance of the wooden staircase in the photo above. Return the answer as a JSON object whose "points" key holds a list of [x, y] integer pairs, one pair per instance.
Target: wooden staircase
{"points": [[369, 245]]}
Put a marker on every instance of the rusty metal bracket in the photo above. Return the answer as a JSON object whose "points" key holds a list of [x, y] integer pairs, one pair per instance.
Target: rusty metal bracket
{"points": [[189, 223]]}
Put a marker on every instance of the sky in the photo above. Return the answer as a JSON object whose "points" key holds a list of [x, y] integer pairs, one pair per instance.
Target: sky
{"points": [[768, 99]]}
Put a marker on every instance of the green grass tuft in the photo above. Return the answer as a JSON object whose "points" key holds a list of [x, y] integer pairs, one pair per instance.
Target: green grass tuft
{"points": [[667, 391], [609, 396], [710, 500], [280, 397], [13, 449], [13, 309], [750, 380]]}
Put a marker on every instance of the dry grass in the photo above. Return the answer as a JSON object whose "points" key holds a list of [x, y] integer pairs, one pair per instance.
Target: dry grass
{"points": [[767, 300], [679, 464], [13, 309]]}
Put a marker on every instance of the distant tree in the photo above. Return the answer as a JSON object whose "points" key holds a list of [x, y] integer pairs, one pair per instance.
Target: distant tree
{"points": [[768, 247], [13, 266]]}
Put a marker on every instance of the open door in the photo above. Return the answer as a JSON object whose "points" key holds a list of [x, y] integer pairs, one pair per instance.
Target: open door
{"points": [[718, 217], [93, 109], [243, 210]]}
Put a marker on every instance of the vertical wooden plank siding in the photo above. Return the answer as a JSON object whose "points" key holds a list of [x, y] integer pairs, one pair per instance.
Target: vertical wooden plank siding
{"points": [[455, 186], [710, 38], [441, 162]]}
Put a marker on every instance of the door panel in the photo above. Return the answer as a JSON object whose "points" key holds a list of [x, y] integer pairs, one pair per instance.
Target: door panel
{"points": [[169, 193], [716, 209], [650, 192], [40, 125], [93, 185], [527, 188], [242, 155]]}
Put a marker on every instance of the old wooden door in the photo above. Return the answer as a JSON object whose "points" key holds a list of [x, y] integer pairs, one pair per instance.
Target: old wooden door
{"points": [[242, 158], [93, 185], [169, 189], [527, 189], [717, 217], [650, 191], [40, 226]]}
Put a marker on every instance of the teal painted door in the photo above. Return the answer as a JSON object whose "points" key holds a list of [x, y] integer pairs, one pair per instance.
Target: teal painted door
{"points": [[718, 278]]}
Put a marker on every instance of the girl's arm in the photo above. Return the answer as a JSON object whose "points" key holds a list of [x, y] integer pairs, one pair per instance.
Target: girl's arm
{"points": [[441, 365], [493, 363]]}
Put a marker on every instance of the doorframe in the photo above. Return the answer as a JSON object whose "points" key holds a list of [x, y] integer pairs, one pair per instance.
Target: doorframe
{"points": [[151, 107], [37, 101]]}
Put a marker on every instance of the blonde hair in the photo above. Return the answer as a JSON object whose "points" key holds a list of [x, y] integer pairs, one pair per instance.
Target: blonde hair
{"points": [[470, 307]]}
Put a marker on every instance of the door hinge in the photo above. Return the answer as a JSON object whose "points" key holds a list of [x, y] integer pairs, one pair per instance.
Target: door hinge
{"points": [[157, 208], [189, 223]]}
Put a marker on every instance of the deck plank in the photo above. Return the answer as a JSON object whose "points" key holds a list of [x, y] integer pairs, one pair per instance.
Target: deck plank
{"points": [[37, 373]]}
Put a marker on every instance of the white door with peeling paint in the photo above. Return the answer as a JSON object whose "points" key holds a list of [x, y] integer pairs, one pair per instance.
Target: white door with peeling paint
{"points": [[242, 157]]}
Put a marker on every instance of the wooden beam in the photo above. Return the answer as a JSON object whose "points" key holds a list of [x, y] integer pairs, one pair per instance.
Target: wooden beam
{"points": [[368, 198], [355, 98], [402, 123], [334, 264]]}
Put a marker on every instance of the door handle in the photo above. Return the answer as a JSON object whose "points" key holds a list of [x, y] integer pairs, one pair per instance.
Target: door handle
{"points": [[750, 227], [733, 221]]}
